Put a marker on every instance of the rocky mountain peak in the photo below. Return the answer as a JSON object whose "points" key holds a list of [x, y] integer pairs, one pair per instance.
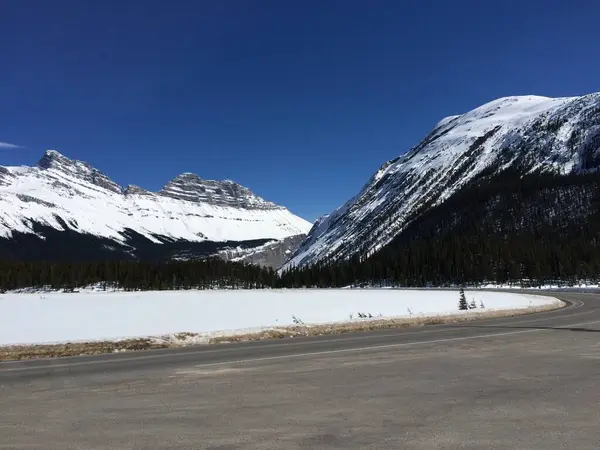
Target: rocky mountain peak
{"points": [[54, 160], [191, 187], [133, 189], [186, 186]]}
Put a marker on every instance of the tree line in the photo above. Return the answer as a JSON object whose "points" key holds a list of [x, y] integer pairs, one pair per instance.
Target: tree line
{"points": [[135, 275]]}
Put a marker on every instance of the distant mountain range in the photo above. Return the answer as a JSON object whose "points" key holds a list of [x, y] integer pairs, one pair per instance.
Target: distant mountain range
{"points": [[510, 183], [62, 209]]}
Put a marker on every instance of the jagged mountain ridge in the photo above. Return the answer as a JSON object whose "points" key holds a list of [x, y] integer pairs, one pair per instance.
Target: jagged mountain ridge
{"points": [[529, 134], [60, 194]]}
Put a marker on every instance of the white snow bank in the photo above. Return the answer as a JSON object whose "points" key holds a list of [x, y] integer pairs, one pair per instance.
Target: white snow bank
{"points": [[87, 316], [546, 287]]}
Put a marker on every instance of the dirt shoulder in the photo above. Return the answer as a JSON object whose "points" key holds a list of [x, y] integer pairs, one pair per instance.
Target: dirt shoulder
{"points": [[186, 339]]}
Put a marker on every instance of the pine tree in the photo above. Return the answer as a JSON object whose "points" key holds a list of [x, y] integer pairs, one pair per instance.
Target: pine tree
{"points": [[472, 305], [462, 303]]}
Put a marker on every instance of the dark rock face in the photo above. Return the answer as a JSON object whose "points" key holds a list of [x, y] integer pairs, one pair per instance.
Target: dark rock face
{"points": [[190, 187], [5, 175], [136, 190], [272, 254]]}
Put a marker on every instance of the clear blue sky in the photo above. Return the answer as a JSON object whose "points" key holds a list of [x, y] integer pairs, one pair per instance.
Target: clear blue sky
{"points": [[299, 100]]}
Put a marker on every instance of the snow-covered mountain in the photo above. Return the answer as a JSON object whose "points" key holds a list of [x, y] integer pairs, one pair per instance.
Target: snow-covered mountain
{"points": [[188, 217], [528, 134]]}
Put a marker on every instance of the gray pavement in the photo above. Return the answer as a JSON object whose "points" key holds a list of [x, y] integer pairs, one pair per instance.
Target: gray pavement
{"points": [[528, 382]]}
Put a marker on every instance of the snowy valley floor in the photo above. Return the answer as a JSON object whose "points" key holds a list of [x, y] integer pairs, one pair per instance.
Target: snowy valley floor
{"points": [[42, 325]]}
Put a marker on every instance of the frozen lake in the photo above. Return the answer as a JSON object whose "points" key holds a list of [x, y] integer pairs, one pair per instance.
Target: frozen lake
{"points": [[88, 315]]}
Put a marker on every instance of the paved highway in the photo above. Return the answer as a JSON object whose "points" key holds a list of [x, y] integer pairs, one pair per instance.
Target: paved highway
{"points": [[529, 382]]}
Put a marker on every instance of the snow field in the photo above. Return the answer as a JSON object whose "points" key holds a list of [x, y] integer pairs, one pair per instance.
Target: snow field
{"points": [[89, 316]]}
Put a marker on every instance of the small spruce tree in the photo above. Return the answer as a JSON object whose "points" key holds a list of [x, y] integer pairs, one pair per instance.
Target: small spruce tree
{"points": [[462, 303], [472, 305]]}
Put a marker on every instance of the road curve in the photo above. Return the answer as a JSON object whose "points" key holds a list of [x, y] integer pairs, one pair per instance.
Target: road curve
{"points": [[517, 382]]}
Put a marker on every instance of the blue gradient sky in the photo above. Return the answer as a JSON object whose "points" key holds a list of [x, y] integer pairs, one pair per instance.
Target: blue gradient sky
{"points": [[299, 100]]}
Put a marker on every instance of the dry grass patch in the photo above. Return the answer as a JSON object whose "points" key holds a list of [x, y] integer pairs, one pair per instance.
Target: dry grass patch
{"points": [[21, 352], [376, 324]]}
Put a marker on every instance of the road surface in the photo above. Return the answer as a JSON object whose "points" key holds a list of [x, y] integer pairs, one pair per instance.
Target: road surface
{"points": [[529, 382]]}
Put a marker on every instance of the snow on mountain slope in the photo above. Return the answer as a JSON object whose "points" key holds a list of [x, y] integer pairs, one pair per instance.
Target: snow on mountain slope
{"points": [[529, 133], [66, 194]]}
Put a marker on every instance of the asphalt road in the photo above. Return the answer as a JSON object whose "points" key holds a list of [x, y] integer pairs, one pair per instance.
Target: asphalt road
{"points": [[529, 382]]}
